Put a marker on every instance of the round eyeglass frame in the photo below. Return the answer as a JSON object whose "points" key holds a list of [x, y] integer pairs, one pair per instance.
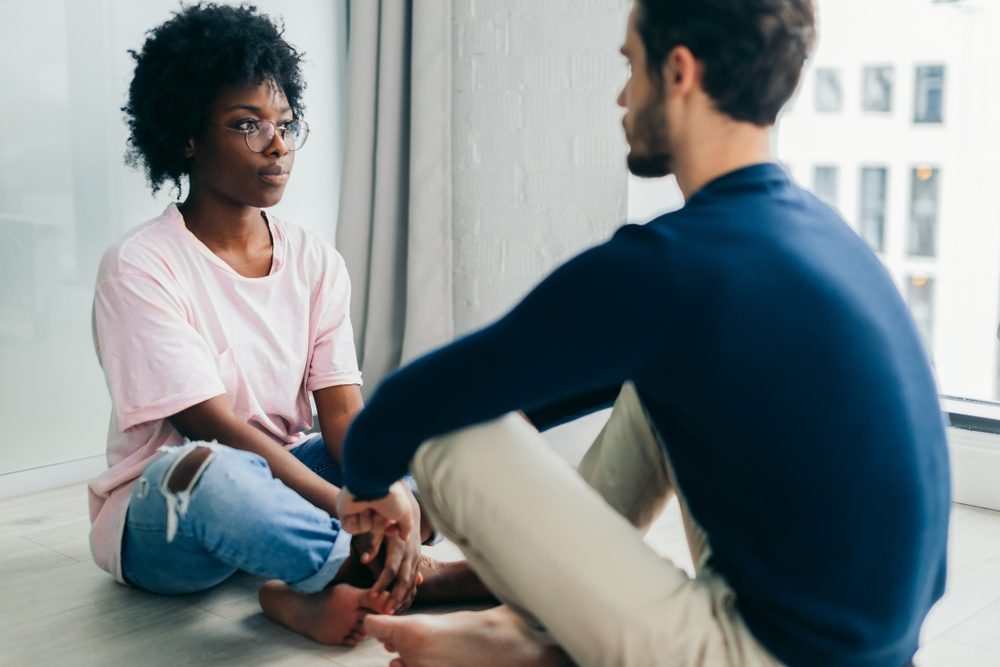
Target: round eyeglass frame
{"points": [[275, 130]]}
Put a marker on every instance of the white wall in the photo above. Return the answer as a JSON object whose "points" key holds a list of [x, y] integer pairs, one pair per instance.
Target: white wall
{"points": [[538, 149], [65, 195]]}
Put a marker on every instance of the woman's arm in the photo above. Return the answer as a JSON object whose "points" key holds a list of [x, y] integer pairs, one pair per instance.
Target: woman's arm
{"points": [[337, 406], [214, 420]]}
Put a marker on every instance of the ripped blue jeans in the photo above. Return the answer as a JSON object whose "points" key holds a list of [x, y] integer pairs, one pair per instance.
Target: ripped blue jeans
{"points": [[235, 516]]}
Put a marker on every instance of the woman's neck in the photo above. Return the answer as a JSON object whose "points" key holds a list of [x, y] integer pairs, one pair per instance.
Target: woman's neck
{"points": [[224, 225]]}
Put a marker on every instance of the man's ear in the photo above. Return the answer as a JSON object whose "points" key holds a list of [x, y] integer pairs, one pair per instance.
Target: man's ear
{"points": [[680, 70], [189, 149]]}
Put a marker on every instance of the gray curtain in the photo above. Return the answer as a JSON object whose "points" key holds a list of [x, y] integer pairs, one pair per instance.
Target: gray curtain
{"points": [[394, 228]]}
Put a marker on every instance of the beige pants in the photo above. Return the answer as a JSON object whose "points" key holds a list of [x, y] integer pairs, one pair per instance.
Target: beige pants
{"points": [[565, 548]]}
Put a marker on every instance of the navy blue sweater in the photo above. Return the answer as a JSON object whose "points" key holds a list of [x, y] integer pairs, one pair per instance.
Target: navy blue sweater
{"points": [[786, 378]]}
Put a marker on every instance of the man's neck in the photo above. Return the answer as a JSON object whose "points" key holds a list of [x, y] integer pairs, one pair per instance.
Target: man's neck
{"points": [[724, 149]]}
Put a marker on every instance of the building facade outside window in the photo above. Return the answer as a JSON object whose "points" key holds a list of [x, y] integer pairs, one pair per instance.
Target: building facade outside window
{"points": [[872, 216], [933, 211], [929, 91], [922, 235], [877, 86]]}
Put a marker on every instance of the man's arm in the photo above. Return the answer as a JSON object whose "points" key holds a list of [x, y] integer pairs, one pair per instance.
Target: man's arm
{"points": [[214, 420], [589, 326], [550, 415]]}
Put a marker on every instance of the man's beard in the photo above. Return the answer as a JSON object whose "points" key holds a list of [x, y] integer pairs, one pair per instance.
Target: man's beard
{"points": [[650, 135]]}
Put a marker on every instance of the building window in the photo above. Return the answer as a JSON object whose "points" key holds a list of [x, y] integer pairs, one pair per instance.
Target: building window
{"points": [[829, 94], [920, 298], [877, 92], [929, 103], [872, 214], [825, 180], [922, 240]]}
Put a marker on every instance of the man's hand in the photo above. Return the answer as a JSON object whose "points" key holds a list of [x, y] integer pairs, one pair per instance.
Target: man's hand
{"points": [[375, 516]]}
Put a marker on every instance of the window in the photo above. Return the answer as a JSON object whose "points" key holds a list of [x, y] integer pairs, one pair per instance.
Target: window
{"points": [[929, 91], [825, 182], [996, 390], [920, 297], [66, 195], [877, 91], [871, 219], [922, 240], [934, 210], [829, 96]]}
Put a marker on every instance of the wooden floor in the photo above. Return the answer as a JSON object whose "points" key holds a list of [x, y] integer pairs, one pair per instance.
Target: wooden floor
{"points": [[58, 608]]}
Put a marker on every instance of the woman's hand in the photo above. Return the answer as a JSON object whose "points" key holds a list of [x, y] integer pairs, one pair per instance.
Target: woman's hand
{"points": [[402, 564]]}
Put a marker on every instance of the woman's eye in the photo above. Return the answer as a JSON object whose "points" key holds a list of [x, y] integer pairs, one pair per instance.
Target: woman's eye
{"points": [[248, 126]]}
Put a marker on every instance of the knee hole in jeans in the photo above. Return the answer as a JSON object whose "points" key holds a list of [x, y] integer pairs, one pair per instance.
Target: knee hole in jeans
{"points": [[188, 469]]}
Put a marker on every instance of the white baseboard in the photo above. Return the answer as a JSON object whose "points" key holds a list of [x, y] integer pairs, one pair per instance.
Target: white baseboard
{"points": [[52, 476], [975, 468]]}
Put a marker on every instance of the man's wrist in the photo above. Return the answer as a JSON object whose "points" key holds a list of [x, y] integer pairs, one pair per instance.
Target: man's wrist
{"points": [[367, 498]]}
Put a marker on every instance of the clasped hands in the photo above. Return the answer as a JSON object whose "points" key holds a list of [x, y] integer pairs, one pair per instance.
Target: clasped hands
{"points": [[392, 522]]}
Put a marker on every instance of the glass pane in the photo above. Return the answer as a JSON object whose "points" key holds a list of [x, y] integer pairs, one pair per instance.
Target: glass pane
{"points": [[929, 90], [920, 297], [829, 96], [923, 212], [877, 93], [825, 180], [872, 215]]}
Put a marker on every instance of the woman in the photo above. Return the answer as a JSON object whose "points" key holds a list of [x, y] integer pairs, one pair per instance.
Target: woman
{"points": [[214, 322]]}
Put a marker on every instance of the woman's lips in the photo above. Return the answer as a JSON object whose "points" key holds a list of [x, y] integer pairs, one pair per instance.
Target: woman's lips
{"points": [[274, 179], [273, 175]]}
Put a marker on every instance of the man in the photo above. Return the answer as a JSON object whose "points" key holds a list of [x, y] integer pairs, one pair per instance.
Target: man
{"points": [[770, 376]]}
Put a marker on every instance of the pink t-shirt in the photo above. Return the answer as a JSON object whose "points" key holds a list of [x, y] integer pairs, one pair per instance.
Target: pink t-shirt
{"points": [[175, 325]]}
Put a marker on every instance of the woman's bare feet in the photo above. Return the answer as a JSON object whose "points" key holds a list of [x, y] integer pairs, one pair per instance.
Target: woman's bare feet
{"points": [[464, 639], [450, 581], [334, 615]]}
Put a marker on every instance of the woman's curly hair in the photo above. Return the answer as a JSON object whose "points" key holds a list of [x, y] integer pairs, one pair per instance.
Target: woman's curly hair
{"points": [[180, 69]]}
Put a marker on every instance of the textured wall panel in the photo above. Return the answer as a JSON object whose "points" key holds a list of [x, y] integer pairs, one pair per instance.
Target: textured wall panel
{"points": [[539, 155]]}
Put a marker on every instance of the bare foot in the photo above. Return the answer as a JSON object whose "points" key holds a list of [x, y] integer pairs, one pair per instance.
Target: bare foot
{"points": [[334, 615], [450, 582], [464, 639], [443, 582]]}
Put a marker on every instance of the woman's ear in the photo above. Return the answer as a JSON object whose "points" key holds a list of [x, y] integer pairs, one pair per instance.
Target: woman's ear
{"points": [[189, 149]]}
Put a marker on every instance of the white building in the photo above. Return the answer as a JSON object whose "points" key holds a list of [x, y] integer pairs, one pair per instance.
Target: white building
{"points": [[895, 124]]}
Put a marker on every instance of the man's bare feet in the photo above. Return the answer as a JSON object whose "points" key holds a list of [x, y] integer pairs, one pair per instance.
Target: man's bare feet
{"points": [[334, 615], [464, 639]]}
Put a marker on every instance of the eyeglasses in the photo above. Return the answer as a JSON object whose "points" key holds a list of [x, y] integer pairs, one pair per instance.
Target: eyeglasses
{"points": [[260, 133]]}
